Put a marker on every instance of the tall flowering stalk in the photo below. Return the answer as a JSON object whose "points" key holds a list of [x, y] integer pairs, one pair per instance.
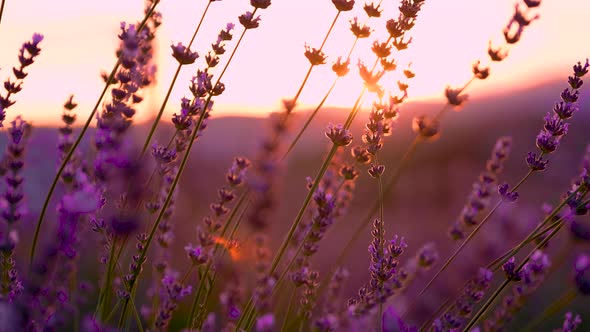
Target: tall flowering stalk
{"points": [[383, 267], [212, 232], [1, 10], [427, 127], [26, 56], [341, 67], [479, 198], [547, 142], [109, 80], [12, 206], [207, 90], [575, 200], [267, 163], [533, 274], [463, 307], [184, 56]]}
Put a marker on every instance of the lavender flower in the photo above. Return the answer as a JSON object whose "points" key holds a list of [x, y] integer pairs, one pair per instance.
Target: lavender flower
{"points": [[384, 261], [479, 198], [12, 207], [533, 274], [183, 54], [248, 21], [555, 126], [372, 10], [425, 126], [480, 72], [454, 96], [341, 68], [260, 4], [371, 79], [359, 30], [343, 5], [582, 274], [507, 194], [463, 307], [570, 323], [174, 291], [338, 135], [27, 54], [315, 56]]}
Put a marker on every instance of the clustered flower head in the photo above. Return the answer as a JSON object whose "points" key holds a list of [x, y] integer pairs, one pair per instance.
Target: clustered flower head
{"points": [[532, 276], [183, 54], [260, 4], [338, 135], [358, 29], [513, 31], [571, 322], [248, 21], [555, 124], [343, 5], [454, 96], [371, 78], [12, 207], [479, 198], [372, 10], [582, 274], [27, 54], [464, 305], [207, 232], [341, 68], [384, 262], [315, 56], [397, 29], [425, 126]]}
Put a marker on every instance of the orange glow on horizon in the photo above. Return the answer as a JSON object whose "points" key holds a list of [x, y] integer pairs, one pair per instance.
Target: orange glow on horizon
{"points": [[80, 39]]}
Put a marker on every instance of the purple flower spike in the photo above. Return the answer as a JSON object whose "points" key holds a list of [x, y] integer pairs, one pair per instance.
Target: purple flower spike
{"points": [[570, 323], [546, 142], [536, 163], [338, 135], [582, 270], [249, 21], [392, 322], [581, 70], [261, 4], [183, 54], [507, 195], [510, 270], [343, 5]]}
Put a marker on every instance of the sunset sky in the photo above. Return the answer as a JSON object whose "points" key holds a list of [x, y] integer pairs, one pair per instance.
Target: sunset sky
{"points": [[80, 39]]}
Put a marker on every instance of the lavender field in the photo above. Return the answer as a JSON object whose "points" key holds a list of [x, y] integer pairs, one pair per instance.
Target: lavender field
{"points": [[145, 211]]}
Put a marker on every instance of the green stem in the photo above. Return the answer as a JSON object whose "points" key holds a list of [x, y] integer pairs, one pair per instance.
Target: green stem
{"points": [[471, 236], [289, 307], [533, 235], [249, 306], [303, 208], [555, 307], [356, 235], [311, 66], [191, 316], [161, 111], [106, 297], [310, 118], [490, 301], [182, 166], [1, 10], [77, 143], [497, 263]]}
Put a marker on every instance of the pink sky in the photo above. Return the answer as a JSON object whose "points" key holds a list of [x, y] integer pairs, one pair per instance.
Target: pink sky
{"points": [[80, 38]]}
